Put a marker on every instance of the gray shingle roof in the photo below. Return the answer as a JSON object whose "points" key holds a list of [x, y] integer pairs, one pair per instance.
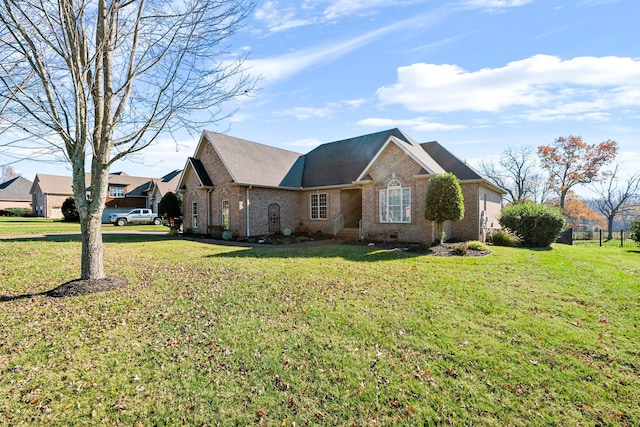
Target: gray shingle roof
{"points": [[16, 189], [137, 186], [341, 162], [253, 163], [56, 184], [449, 162], [203, 176], [334, 163]]}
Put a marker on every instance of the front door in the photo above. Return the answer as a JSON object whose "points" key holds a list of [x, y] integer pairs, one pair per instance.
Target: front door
{"points": [[351, 207]]}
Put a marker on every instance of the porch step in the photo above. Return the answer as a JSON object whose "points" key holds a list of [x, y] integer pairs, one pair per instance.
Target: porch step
{"points": [[348, 234]]}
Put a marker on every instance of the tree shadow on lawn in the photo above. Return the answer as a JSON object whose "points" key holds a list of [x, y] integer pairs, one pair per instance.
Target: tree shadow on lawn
{"points": [[350, 252]]}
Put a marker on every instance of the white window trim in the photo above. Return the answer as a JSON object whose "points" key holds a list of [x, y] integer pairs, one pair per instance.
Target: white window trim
{"points": [[116, 196], [222, 215], [194, 215], [383, 203], [318, 207]]}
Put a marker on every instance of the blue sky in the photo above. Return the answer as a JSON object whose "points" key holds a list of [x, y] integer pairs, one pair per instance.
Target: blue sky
{"points": [[478, 76]]}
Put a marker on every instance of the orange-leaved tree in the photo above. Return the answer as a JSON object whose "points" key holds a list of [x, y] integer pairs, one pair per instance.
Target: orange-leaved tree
{"points": [[570, 162], [578, 212]]}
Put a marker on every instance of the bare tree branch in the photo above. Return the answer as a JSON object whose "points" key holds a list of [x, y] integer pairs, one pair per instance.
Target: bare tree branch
{"points": [[94, 81], [615, 195], [516, 173]]}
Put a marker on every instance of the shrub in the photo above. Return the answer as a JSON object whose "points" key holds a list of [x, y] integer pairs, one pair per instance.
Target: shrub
{"points": [[169, 206], [634, 228], [476, 245], [444, 202], [22, 212], [69, 210], [460, 248], [503, 238], [537, 225]]}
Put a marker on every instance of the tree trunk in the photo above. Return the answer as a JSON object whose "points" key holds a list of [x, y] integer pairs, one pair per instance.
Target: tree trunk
{"points": [[92, 259], [440, 235], [610, 227]]}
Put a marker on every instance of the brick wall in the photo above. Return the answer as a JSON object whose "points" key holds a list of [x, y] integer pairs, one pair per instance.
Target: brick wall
{"points": [[259, 201], [477, 198], [394, 162], [325, 226], [468, 227]]}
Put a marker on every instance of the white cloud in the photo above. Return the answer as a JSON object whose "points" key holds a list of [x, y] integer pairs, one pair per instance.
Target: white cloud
{"points": [[305, 112], [356, 103], [339, 8], [583, 85], [279, 18], [494, 5], [287, 65], [417, 124]]}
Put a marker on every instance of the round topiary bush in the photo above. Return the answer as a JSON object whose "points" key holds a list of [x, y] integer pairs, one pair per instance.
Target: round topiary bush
{"points": [[537, 225]]}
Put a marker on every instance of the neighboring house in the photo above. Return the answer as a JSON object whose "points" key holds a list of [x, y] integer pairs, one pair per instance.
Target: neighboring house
{"points": [[124, 192], [159, 187], [15, 193], [372, 186]]}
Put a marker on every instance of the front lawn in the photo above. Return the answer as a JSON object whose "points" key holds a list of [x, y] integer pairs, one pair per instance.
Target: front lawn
{"points": [[346, 335], [18, 226]]}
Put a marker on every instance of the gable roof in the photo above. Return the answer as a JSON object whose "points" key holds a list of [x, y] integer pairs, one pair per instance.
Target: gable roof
{"points": [[413, 149], [332, 164], [341, 162], [167, 183], [137, 186], [200, 171], [252, 163], [16, 189], [450, 163], [56, 184]]}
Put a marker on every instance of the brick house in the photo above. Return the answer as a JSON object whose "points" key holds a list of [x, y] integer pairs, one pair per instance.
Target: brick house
{"points": [[125, 192], [372, 186]]}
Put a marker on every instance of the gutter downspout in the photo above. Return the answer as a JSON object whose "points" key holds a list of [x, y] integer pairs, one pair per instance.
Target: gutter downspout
{"points": [[247, 209], [209, 207]]}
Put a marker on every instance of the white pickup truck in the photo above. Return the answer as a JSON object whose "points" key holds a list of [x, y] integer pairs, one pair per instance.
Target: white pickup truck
{"points": [[135, 216]]}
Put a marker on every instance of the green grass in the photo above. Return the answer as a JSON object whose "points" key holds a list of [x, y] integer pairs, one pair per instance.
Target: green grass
{"points": [[16, 226], [346, 335]]}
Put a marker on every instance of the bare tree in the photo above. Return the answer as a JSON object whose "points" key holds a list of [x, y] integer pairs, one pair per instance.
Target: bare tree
{"points": [[93, 81], [615, 195], [7, 173], [516, 172]]}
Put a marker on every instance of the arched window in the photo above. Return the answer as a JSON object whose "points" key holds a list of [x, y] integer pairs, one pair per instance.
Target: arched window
{"points": [[395, 202]]}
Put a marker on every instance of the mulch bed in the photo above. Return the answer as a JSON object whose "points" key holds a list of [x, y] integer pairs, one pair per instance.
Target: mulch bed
{"points": [[79, 287], [450, 250], [445, 249]]}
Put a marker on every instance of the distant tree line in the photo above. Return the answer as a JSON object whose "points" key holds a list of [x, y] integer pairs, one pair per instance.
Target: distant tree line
{"points": [[550, 173]]}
